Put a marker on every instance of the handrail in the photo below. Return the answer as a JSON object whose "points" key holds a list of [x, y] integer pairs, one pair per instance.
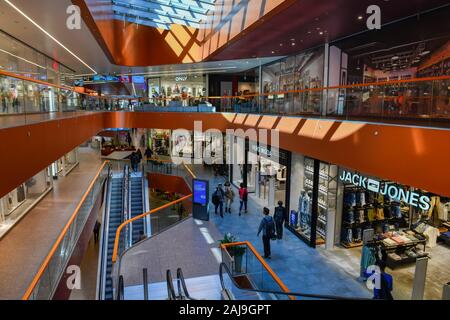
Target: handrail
{"points": [[261, 260], [119, 229], [290, 294], [170, 289], [58, 241], [101, 277], [348, 86], [120, 289], [181, 283]]}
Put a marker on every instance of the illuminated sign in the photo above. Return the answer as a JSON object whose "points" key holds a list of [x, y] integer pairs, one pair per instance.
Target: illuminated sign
{"points": [[393, 191], [200, 192], [181, 78]]}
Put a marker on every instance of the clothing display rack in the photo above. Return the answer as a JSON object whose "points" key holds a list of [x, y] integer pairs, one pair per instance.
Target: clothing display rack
{"points": [[364, 209]]}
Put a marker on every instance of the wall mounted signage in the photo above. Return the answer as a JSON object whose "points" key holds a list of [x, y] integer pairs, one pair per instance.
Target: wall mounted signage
{"points": [[392, 190]]}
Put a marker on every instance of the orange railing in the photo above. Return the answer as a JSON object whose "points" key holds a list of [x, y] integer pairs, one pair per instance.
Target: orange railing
{"points": [[89, 195], [124, 224], [265, 266]]}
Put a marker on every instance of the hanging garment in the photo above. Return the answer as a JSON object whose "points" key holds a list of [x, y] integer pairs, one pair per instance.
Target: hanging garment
{"points": [[434, 204], [371, 214], [432, 234], [368, 258]]}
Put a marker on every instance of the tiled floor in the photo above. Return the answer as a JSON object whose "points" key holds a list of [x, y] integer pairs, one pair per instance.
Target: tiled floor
{"points": [[24, 248], [300, 267]]}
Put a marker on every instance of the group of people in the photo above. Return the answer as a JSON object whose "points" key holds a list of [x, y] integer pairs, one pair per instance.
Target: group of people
{"points": [[271, 227], [135, 159], [226, 197]]}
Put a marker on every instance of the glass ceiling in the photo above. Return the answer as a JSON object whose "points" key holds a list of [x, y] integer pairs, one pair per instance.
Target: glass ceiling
{"points": [[163, 13]]}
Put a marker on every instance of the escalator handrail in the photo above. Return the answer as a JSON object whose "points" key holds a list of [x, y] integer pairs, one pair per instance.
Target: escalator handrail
{"points": [[223, 267], [101, 278], [181, 283], [120, 289], [170, 289]]}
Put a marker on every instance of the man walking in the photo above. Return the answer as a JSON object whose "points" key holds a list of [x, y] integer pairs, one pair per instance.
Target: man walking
{"points": [[218, 198], [229, 197], [280, 217], [267, 226]]}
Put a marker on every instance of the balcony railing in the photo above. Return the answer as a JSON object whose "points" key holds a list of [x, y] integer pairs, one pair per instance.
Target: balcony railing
{"points": [[422, 100]]}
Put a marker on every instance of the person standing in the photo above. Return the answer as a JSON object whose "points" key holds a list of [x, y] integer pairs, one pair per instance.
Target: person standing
{"points": [[243, 197], [218, 198], [267, 226], [148, 153], [280, 217], [129, 139], [96, 231], [384, 292], [229, 197], [134, 159]]}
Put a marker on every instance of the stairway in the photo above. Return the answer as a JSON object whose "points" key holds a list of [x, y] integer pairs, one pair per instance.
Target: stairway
{"points": [[115, 218], [137, 207]]}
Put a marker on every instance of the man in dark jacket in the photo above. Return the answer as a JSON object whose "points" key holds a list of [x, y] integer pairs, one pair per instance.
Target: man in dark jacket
{"points": [[218, 198], [267, 226], [280, 217]]}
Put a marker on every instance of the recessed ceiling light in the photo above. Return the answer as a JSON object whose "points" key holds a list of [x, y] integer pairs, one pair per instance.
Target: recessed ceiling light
{"points": [[321, 32], [360, 17], [292, 39], [273, 52], [281, 44], [395, 58], [293, 43], [425, 53]]}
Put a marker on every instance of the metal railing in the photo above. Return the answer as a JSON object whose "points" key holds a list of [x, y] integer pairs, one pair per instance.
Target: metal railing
{"points": [[425, 100], [223, 268], [101, 271], [46, 280]]}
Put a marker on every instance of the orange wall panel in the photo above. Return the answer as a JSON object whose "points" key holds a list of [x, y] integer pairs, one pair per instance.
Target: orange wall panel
{"points": [[413, 156]]}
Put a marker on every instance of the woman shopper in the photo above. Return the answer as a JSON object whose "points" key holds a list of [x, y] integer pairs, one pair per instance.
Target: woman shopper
{"points": [[243, 197], [229, 197]]}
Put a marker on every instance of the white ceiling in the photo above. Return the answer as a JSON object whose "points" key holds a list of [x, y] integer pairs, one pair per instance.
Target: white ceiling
{"points": [[51, 15]]}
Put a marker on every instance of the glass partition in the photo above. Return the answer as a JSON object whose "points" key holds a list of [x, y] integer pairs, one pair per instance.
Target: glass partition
{"points": [[46, 281]]}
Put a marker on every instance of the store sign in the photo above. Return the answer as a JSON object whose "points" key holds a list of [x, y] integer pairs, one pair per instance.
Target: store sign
{"points": [[393, 191], [265, 151], [181, 78]]}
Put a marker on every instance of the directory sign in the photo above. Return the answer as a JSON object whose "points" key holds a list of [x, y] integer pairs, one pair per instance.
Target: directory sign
{"points": [[200, 188]]}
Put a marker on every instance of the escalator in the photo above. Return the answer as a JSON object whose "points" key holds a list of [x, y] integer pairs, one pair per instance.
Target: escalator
{"points": [[137, 206], [115, 219], [114, 214]]}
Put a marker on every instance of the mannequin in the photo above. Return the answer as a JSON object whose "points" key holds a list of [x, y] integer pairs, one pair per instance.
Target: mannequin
{"points": [[303, 208]]}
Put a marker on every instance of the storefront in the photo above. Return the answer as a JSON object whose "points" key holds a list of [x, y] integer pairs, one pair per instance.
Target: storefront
{"points": [[402, 221], [263, 169], [63, 166], [177, 90], [313, 200], [159, 141], [19, 201]]}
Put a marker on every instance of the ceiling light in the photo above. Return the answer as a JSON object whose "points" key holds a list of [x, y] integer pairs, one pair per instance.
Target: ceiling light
{"points": [[292, 39], [281, 44], [321, 32], [425, 53], [360, 17], [23, 59], [49, 35], [293, 44], [395, 58], [273, 52]]}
